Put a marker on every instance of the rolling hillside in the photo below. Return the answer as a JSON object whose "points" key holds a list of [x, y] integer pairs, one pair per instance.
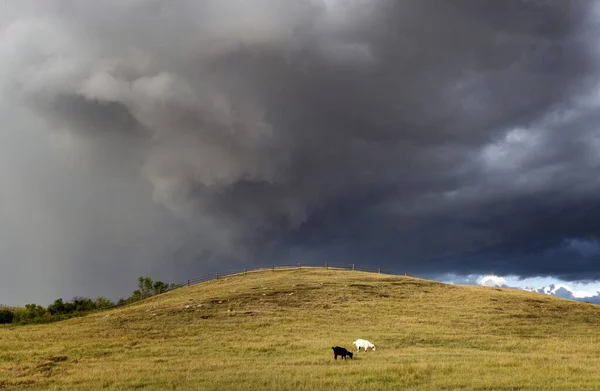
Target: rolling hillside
{"points": [[274, 331]]}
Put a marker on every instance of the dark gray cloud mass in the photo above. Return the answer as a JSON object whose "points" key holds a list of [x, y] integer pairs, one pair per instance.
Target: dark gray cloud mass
{"points": [[174, 138]]}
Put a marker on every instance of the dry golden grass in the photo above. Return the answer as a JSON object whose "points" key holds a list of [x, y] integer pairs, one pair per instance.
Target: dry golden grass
{"points": [[274, 331]]}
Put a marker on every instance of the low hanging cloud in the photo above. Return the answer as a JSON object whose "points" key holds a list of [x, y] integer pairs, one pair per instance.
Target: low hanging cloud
{"points": [[422, 136], [491, 280]]}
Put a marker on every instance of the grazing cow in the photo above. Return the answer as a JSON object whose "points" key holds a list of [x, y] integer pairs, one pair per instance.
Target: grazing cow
{"points": [[338, 351], [363, 343]]}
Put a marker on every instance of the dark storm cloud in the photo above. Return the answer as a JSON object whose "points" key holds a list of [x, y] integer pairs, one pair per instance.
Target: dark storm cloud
{"points": [[422, 135]]}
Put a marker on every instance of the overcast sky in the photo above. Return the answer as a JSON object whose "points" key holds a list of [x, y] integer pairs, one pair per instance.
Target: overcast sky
{"points": [[170, 139]]}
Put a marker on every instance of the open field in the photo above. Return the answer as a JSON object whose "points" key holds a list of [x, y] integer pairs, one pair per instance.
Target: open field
{"points": [[274, 331]]}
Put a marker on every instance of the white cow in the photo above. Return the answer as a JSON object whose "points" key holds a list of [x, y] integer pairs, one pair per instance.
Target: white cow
{"points": [[363, 343]]}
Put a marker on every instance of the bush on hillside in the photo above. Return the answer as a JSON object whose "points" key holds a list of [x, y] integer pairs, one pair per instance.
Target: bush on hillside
{"points": [[78, 305], [146, 288], [84, 304], [32, 313], [103, 303], [6, 316], [60, 310], [159, 287], [60, 307]]}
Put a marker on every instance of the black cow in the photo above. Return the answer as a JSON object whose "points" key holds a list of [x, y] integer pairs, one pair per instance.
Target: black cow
{"points": [[337, 351]]}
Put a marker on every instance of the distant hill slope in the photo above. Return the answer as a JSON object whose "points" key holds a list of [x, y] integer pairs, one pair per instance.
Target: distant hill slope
{"points": [[274, 331]]}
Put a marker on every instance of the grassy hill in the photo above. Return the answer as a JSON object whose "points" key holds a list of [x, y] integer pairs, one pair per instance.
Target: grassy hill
{"points": [[274, 331]]}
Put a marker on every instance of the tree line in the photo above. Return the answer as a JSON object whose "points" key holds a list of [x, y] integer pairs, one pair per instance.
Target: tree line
{"points": [[79, 306]]}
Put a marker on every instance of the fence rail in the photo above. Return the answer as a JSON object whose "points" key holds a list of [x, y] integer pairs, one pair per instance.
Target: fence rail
{"points": [[327, 266]]}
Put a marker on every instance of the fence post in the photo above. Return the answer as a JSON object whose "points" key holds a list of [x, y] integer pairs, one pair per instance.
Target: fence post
{"points": [[326, 267], [352, 267], [188, 282], [217, 275], [245, 271], [379, 270], [273, 268], [299, 266]]}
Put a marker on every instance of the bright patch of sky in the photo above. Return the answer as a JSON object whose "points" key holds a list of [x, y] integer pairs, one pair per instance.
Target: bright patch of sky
{"points": [[491, 280], [512, 151], [579, 289]]}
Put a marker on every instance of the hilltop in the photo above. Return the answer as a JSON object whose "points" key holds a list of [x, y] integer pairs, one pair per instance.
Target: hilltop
{"points": [[274, 331]]}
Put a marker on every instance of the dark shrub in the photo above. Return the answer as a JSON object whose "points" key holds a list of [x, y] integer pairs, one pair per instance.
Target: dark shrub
{"points": [[6, 316]]}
